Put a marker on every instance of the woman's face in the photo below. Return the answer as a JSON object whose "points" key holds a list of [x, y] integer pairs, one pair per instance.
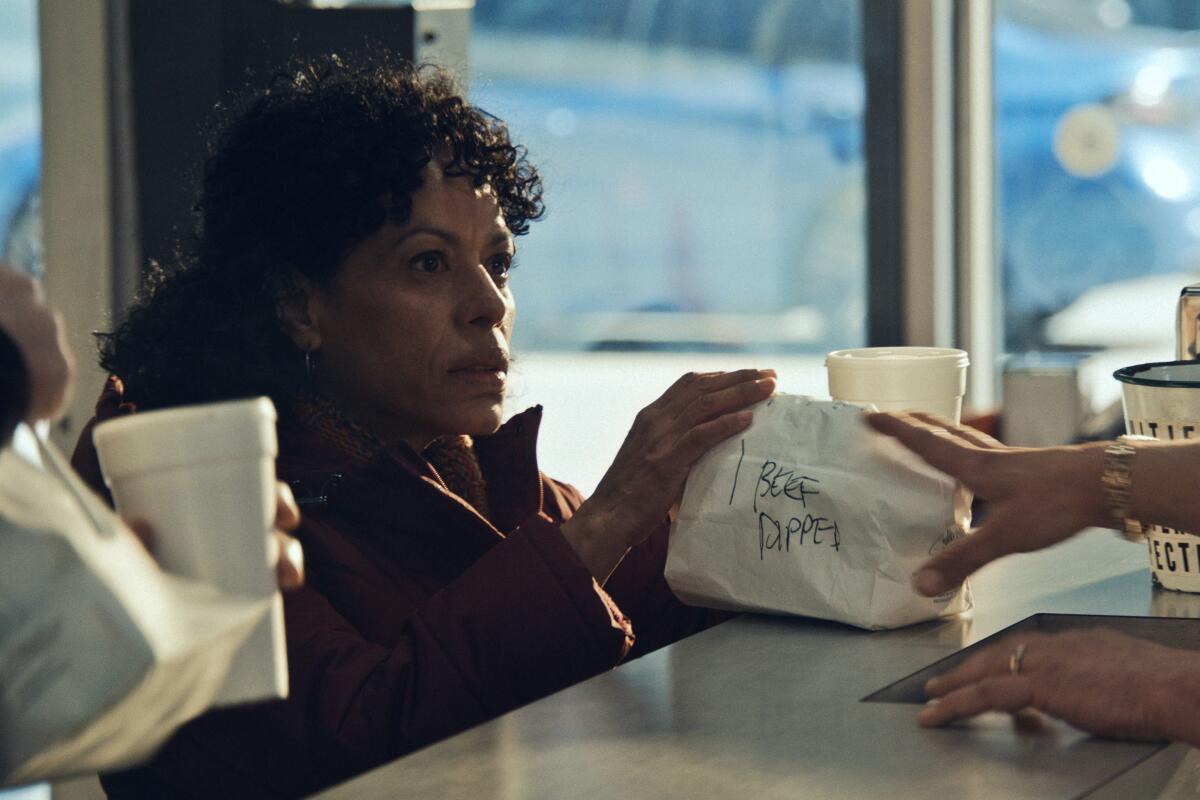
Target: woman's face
{"points": [[414, 329]]}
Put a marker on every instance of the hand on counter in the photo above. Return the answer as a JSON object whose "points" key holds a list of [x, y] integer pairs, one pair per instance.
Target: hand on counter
{"points": [[1102, 682], [1036, 496]]}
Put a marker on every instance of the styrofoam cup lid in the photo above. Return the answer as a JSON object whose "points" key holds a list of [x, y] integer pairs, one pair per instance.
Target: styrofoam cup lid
{"points": [[876, 358], [897, 373], [179, 437]]}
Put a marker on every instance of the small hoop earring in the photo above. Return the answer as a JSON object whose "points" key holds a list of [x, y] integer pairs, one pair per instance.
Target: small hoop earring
{"points": [[310, 367]]}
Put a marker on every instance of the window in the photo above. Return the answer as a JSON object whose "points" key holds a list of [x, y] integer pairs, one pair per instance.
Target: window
{"points": [[20, 143], [1097, 125], [703, 166], [704, 175]]}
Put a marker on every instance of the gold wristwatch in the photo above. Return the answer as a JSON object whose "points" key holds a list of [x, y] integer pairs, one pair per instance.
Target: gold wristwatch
{"points": [[1117, 482]]}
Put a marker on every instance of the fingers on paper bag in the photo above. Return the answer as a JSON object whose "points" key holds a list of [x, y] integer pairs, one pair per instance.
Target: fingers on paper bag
{"points": [[930, 442], [968, 434], [689, 387], [702, 438], [715, 404], [962, 558]]}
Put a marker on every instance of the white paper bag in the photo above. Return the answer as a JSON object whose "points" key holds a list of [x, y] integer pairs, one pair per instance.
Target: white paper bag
{"points": [[811, 513], [102, 654]]}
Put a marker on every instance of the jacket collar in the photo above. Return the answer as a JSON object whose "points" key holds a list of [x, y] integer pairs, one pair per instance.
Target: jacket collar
{"points": [[321, 473]]}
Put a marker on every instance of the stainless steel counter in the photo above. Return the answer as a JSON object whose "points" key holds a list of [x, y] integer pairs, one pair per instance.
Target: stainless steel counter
{"points": [[770, 707]]}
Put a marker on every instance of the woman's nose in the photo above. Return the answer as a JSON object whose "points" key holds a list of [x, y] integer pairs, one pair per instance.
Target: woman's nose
{"points": [[485, 303]]}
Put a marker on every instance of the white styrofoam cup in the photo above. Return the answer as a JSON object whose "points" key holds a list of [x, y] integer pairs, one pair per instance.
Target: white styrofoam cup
{"points": [[931, 379], [203, 478]]}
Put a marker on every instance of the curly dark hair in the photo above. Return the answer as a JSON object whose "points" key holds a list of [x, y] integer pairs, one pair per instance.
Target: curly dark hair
{"points": [[301, 174]]}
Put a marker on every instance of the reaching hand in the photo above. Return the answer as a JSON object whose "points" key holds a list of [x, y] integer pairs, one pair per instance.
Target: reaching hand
{"points": [[1100, 681], [1036, 497], [648, 474]]}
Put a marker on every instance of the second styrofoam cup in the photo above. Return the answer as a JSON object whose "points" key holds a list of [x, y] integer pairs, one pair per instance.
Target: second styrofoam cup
{"points": [[203, 478], [931, 379]]}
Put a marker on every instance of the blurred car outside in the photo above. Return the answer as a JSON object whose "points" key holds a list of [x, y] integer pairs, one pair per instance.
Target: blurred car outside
{"points": [[1098, 148], [704, 164], [703, 168]]}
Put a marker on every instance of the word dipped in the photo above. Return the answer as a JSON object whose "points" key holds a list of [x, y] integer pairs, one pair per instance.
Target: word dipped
{"points": [[778, 535]]}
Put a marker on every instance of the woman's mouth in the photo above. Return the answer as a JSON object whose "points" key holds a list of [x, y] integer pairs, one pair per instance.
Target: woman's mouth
{"points": [[482, 377]]}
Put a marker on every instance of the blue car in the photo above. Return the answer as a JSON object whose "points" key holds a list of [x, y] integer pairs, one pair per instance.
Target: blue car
{"points": [[705, 167], [1099, 163]]}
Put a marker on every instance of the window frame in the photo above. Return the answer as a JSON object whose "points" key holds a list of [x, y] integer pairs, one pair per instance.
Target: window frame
{"points": [[931, 265]]}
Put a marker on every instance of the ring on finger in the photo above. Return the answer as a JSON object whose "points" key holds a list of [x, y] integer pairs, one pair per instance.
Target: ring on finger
{"points": [[1015, 658]]}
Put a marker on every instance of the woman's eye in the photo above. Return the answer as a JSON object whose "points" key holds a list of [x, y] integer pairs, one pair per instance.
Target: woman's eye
{"points": [[501, 265], [428, 262]]}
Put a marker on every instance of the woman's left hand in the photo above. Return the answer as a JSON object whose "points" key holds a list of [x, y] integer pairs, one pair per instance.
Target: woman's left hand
{"points": [[646, 479], [1100, 681]]}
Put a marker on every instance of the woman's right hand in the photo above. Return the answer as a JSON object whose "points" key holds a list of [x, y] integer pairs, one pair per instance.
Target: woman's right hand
{"points": [[646, 479]]}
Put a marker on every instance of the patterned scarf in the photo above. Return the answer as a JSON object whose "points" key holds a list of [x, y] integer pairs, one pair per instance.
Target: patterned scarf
{"points": [[452, 457]]}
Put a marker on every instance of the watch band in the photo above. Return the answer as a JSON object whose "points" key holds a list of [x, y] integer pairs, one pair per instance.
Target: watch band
{"points": [[1117, 482]]}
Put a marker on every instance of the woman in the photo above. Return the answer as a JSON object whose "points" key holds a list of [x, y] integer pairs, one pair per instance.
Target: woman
{"points": [[1100, 681], [358, 226]]}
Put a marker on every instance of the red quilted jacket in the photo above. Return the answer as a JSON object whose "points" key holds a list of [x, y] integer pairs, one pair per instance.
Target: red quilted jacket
{"points": [[419, 618]]}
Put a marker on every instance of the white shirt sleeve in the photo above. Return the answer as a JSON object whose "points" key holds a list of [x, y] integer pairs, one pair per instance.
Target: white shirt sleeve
{"points": [[102, 654]]}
